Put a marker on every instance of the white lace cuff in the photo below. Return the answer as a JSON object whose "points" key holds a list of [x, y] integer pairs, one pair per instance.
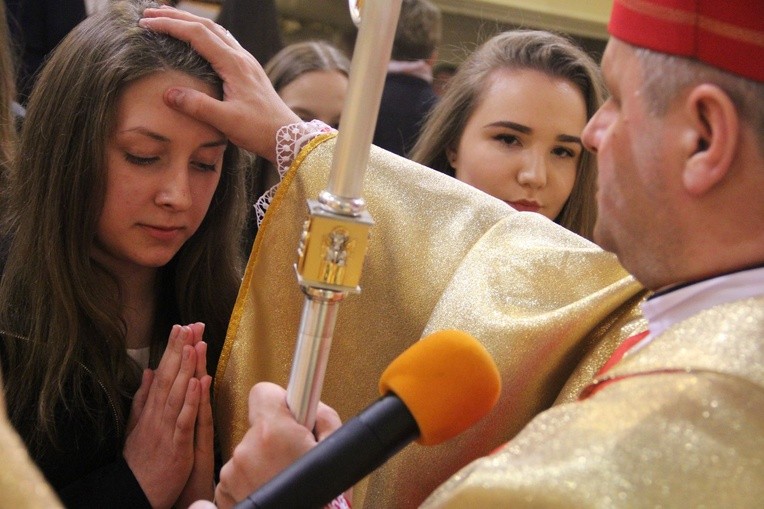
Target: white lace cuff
{"points": [[289, 141], [339, 503]]}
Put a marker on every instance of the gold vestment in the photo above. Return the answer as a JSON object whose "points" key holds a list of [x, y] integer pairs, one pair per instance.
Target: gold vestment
{"points": [[21, 483], [682, 425], [548, 305]]}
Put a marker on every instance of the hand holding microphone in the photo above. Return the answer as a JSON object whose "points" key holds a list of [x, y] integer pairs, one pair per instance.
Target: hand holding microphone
{"points": [[273, 441], [436, 389]]}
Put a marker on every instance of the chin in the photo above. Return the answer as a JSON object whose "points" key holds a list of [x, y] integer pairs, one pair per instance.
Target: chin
{"points": [[156, 262]]}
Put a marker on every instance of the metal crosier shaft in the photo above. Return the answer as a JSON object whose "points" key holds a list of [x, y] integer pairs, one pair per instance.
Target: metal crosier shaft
{"points": [[319, 314], [335, 236], [331, 256], [366, 81]]}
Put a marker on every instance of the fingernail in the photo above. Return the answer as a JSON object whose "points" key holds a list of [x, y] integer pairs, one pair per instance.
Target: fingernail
{"points": [[174, 96]]}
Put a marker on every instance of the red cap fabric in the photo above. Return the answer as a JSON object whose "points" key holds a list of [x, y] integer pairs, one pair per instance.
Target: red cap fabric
{"points": [[728, 34]]}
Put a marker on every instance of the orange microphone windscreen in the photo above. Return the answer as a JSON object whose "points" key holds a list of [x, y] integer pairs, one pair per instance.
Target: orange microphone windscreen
{"points": [[447, 380]]}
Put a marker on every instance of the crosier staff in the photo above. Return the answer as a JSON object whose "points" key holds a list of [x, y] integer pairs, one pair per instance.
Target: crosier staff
{"points": [[336, 233]]}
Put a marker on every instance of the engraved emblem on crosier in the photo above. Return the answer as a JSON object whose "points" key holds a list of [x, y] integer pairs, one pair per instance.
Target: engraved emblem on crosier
{"points": [[337, 246]]}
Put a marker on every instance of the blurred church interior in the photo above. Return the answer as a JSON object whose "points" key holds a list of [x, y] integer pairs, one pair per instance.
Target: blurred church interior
{"points": [[466, 23]]}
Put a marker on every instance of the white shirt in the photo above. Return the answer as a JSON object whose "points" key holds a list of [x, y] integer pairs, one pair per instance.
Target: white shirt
{"points": [[140, 355], [663, 311]]}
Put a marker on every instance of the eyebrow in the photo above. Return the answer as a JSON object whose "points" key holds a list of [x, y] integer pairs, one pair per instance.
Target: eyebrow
{"points": [[511, 125], [156, 136], [565, 138]]}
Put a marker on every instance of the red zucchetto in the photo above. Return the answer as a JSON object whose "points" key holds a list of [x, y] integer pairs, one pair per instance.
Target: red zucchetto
{"points": [[727, 34]]}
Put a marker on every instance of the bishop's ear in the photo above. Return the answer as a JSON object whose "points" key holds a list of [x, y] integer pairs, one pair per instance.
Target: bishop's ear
{"points": [[716, 127]]}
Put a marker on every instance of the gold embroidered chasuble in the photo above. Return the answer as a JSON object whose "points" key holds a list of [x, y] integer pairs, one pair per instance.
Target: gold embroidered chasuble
{"points": [[548, 305], [22, 485], [682, 425]]}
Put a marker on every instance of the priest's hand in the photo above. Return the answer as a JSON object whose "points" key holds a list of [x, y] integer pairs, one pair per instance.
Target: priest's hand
{"points": [[250, 111], [273, 442]]}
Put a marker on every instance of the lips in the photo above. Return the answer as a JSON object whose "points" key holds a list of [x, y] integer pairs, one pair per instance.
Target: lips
{"points": [[162, 232], [525, 205]]}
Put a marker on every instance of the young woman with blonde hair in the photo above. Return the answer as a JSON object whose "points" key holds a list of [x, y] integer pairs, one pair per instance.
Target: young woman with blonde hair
{"points": [[510, 125]]}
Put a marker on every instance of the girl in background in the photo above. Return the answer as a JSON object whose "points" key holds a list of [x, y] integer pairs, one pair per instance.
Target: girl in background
{"points": [[510, 122], [312, 79]]}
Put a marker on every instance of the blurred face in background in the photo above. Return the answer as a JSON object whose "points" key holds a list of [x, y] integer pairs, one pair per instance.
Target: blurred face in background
{"points": [[317, 95], [522, 143]]}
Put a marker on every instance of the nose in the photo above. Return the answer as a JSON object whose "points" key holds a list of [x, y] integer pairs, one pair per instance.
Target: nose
{"points": [[534, 171], [592, 133], [175, 190]]}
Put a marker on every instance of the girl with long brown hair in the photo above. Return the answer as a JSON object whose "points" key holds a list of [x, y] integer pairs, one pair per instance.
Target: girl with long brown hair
{"points": [[125, 218]]}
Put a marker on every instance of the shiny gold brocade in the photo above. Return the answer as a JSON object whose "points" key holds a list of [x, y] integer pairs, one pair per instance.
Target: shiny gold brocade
{"points": [[684, 427], [21, 484], [549, 306]]}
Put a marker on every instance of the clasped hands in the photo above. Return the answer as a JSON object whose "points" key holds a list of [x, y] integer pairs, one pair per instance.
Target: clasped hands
{"points": [[169, 444]]}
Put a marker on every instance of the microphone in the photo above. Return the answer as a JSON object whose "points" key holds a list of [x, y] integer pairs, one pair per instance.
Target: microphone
{"points": [[433, 391]]}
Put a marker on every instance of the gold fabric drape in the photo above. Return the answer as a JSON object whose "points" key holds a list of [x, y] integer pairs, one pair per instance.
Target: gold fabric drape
{"points": [[548, 305], [684, 427], [21, 483]]}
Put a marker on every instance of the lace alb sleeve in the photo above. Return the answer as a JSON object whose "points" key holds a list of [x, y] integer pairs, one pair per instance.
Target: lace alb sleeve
{"points": [[289, 141]]}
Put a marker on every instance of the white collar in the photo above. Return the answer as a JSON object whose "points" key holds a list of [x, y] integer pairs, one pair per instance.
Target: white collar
{"points": [[140, 355], [663, 311], [417, 68]]}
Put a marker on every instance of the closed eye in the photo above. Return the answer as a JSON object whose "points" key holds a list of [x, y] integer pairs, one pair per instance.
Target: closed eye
{"points": [[140, 161], [204, 167]]}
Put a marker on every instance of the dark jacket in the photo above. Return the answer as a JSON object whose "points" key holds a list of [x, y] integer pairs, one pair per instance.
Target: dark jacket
{"points": [[36, 27], [86, 468], [406, 100]]}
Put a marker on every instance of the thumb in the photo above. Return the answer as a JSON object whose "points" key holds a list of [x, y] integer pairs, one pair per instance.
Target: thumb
{"points": [[139, 400], [195, 104], [327, 421]]}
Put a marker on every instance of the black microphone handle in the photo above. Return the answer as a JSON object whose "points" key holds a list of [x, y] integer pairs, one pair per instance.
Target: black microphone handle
{"points": [[342, 459]]}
